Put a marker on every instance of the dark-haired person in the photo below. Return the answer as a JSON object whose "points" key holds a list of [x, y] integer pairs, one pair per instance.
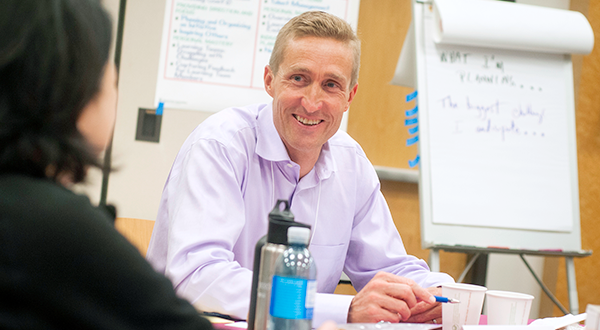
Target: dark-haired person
{"points": [[62, 263]]}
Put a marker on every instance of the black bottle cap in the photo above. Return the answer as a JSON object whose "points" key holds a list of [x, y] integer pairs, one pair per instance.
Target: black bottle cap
{"points": [[279, 222]]}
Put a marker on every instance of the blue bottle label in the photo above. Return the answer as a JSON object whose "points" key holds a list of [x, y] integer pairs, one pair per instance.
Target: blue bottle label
{"points": [[292, 298]]}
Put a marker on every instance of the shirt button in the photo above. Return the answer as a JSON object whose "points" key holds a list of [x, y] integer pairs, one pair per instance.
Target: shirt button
{"points": [[290, 165]]}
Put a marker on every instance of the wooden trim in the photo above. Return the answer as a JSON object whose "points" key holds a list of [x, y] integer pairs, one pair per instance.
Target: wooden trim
{"points": [[137, 231]]}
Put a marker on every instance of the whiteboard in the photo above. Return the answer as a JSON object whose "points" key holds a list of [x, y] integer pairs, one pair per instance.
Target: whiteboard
{"points": [[213, 52], [497, 145]]}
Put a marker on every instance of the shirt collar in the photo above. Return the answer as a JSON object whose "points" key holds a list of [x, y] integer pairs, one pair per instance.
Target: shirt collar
{"points": [[270, 146], [326, 163], [268, 142]]}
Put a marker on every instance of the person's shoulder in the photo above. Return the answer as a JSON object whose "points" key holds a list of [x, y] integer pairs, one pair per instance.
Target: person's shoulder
{"points": [[26, 188], [341, 141], [41, 201], [229, 122], [233, 128], [350, 157], [42, 221]]}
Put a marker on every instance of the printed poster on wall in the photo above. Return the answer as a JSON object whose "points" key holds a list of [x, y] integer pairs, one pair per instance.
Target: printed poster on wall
{"points": [[213, 52]]}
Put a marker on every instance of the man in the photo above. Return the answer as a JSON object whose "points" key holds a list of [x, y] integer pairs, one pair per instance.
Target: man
{"points": [[236, 164]]}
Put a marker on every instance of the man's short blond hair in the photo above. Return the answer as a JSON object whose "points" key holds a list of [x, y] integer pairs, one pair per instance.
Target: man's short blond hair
{"points": [[317, 24]]}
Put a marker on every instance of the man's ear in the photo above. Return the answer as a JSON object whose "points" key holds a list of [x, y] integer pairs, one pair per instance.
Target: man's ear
{"points": [[352, 94], [268, 79]]}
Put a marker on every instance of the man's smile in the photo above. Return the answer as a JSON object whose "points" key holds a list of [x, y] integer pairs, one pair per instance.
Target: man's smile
{"points": [[306, 121]]}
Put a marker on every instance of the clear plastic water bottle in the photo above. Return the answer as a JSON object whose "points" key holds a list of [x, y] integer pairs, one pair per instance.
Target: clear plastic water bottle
{"points": [[267, 251], [294, 285]]}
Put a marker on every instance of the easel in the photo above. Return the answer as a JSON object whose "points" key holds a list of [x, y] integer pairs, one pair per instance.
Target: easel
{"points": [[434, 264]]}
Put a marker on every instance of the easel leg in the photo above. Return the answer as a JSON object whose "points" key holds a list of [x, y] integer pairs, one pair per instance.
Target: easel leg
{"points": [[572, 286], [434, 260], [544, 287], [462, 276]]}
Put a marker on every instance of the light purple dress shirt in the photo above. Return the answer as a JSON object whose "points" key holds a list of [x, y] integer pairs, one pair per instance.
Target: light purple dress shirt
{"points": [[215, 204]]}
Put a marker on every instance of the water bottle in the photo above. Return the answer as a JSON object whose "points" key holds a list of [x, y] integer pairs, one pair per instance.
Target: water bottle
{"points": [[294, 285], [266, 252]]}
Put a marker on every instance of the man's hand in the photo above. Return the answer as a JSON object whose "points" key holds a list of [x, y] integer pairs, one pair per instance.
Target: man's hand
{"points": [[425, 312], [390, 298]]}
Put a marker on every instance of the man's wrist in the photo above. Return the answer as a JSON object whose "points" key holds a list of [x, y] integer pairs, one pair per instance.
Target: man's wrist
{"points": [[333, 307]]}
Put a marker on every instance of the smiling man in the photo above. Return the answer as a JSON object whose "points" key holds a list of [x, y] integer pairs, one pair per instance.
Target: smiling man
{"points": [[235, 166]]}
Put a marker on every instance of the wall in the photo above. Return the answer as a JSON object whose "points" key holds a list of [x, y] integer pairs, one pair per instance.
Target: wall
{"points": [[142, 167], [588, 157]]}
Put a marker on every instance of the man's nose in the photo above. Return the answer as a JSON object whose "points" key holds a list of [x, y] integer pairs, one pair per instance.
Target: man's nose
{"points": [[313, 98]]}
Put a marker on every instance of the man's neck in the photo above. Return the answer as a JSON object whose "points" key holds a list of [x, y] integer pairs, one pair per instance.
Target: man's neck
{"points": [[306, 161]]}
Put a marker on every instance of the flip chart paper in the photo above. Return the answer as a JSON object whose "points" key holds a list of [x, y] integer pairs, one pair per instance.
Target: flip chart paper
{"points": [[505, 25], [499, 142]]}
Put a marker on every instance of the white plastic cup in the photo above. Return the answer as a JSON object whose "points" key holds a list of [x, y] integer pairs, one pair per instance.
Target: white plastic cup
{"points": [[468, 311], [508, 308], [592, 322]]}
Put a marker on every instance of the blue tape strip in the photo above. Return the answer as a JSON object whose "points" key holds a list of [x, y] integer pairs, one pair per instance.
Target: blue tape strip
{"points": [[411, 121], [412, 111], [411, 96], [413, 130], [412, 140], [413, 163], [159, 110]]}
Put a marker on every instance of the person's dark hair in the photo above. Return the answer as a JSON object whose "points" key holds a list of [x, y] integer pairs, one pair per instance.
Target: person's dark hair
{"points": [[52, 59]]}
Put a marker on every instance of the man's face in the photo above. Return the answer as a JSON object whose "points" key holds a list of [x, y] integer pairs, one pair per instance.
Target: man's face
{"points": [[310, 93]]}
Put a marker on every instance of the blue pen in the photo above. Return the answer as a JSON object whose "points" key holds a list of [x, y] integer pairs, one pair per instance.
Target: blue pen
{"points": [[446, 300]]}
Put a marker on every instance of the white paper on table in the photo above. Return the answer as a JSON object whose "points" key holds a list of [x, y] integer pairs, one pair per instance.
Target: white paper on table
{"points": [[507, 327], [560, 322]]}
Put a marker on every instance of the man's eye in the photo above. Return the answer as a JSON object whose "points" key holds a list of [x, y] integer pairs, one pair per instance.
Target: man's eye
{"points": [[331, 84], [297, 78]]}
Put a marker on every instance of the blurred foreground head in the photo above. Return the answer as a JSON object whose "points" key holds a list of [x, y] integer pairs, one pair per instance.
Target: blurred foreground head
{"points": [[53, 59]]}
